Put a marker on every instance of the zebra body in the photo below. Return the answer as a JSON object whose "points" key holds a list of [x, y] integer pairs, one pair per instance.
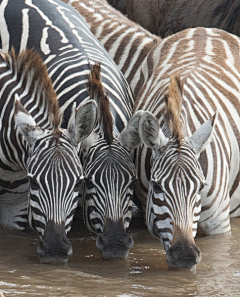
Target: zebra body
{"points": [[207, 60], [126, 42], [69, 51]]}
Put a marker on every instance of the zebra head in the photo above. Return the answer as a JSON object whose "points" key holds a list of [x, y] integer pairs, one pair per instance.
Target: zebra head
{"points": [[110, 175], [174, 197], [55, 173]]}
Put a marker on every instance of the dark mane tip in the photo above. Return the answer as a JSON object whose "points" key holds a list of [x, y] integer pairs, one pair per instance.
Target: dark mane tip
{"points": [[173, 99], [97, 92], [29, 65]]}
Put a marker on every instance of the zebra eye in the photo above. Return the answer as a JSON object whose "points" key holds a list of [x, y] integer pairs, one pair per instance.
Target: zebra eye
{"points": [[156, 188], [33, 184]]}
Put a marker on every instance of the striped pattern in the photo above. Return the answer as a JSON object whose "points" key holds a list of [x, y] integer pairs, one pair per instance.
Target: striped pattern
{"points": [[69, 50], [208, 63], [127, 43], [176, 201], [109, 194], [59, 181]]}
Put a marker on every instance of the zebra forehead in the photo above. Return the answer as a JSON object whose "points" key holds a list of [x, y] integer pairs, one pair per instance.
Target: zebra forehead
{"points": [[177, 162], [109, 155]]}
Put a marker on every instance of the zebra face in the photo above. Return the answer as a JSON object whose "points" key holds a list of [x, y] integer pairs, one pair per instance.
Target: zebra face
{"points": [[110, 177], [174, 202], [108, 189], [174, 196], [54, 172]]}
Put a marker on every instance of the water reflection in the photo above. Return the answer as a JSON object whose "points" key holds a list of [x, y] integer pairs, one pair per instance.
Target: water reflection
{"points": [[144, 273]]}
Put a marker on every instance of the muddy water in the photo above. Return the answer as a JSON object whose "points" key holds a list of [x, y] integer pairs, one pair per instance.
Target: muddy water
{"points": [[144, 273]]}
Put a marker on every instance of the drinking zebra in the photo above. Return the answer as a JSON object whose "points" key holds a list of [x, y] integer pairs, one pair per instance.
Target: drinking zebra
{"points": [[69, 51], [207, 61], [34, 147], [191, 183]]}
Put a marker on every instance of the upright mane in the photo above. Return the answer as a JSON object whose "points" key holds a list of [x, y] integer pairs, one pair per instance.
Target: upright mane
{"points": [[31, 71], [173, 101], [97, 92]]}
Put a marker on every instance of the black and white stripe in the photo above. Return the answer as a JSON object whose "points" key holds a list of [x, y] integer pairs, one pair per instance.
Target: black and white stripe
{"points": [[126, 42]]}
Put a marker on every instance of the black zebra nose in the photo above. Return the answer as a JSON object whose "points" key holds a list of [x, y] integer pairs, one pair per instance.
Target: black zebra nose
{"points": [[114, 242], [183, 255], [54, 248]]}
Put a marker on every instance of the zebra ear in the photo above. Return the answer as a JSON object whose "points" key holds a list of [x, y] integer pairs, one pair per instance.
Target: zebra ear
{"points": [[82, 121], [26, 123], [129, 137], [150, 131], [202, 137]]}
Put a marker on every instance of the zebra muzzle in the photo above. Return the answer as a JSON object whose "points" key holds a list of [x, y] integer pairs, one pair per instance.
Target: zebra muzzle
{"points": [[54, 248]]}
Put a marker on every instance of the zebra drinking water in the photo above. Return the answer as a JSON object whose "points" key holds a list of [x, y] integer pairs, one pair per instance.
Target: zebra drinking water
{"points": [[192, 183], [69, 51], [36, 153]]}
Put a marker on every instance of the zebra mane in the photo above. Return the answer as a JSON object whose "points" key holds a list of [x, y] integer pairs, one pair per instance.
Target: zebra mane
{"points": [[105, 119], [31, 71], [173, 101]]}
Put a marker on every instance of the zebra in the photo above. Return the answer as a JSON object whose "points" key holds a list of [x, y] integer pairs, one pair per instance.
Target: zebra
{"points": [[193, 130], [127, 43], [31, 136], [69, 50]]}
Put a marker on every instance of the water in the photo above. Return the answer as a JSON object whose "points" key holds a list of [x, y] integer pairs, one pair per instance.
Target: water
{"points": [[144, 273]]}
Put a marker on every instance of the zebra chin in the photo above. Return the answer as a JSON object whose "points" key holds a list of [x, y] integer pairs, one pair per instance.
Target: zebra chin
{"points": [[183, 255], [54, 248], [114, 243]]}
